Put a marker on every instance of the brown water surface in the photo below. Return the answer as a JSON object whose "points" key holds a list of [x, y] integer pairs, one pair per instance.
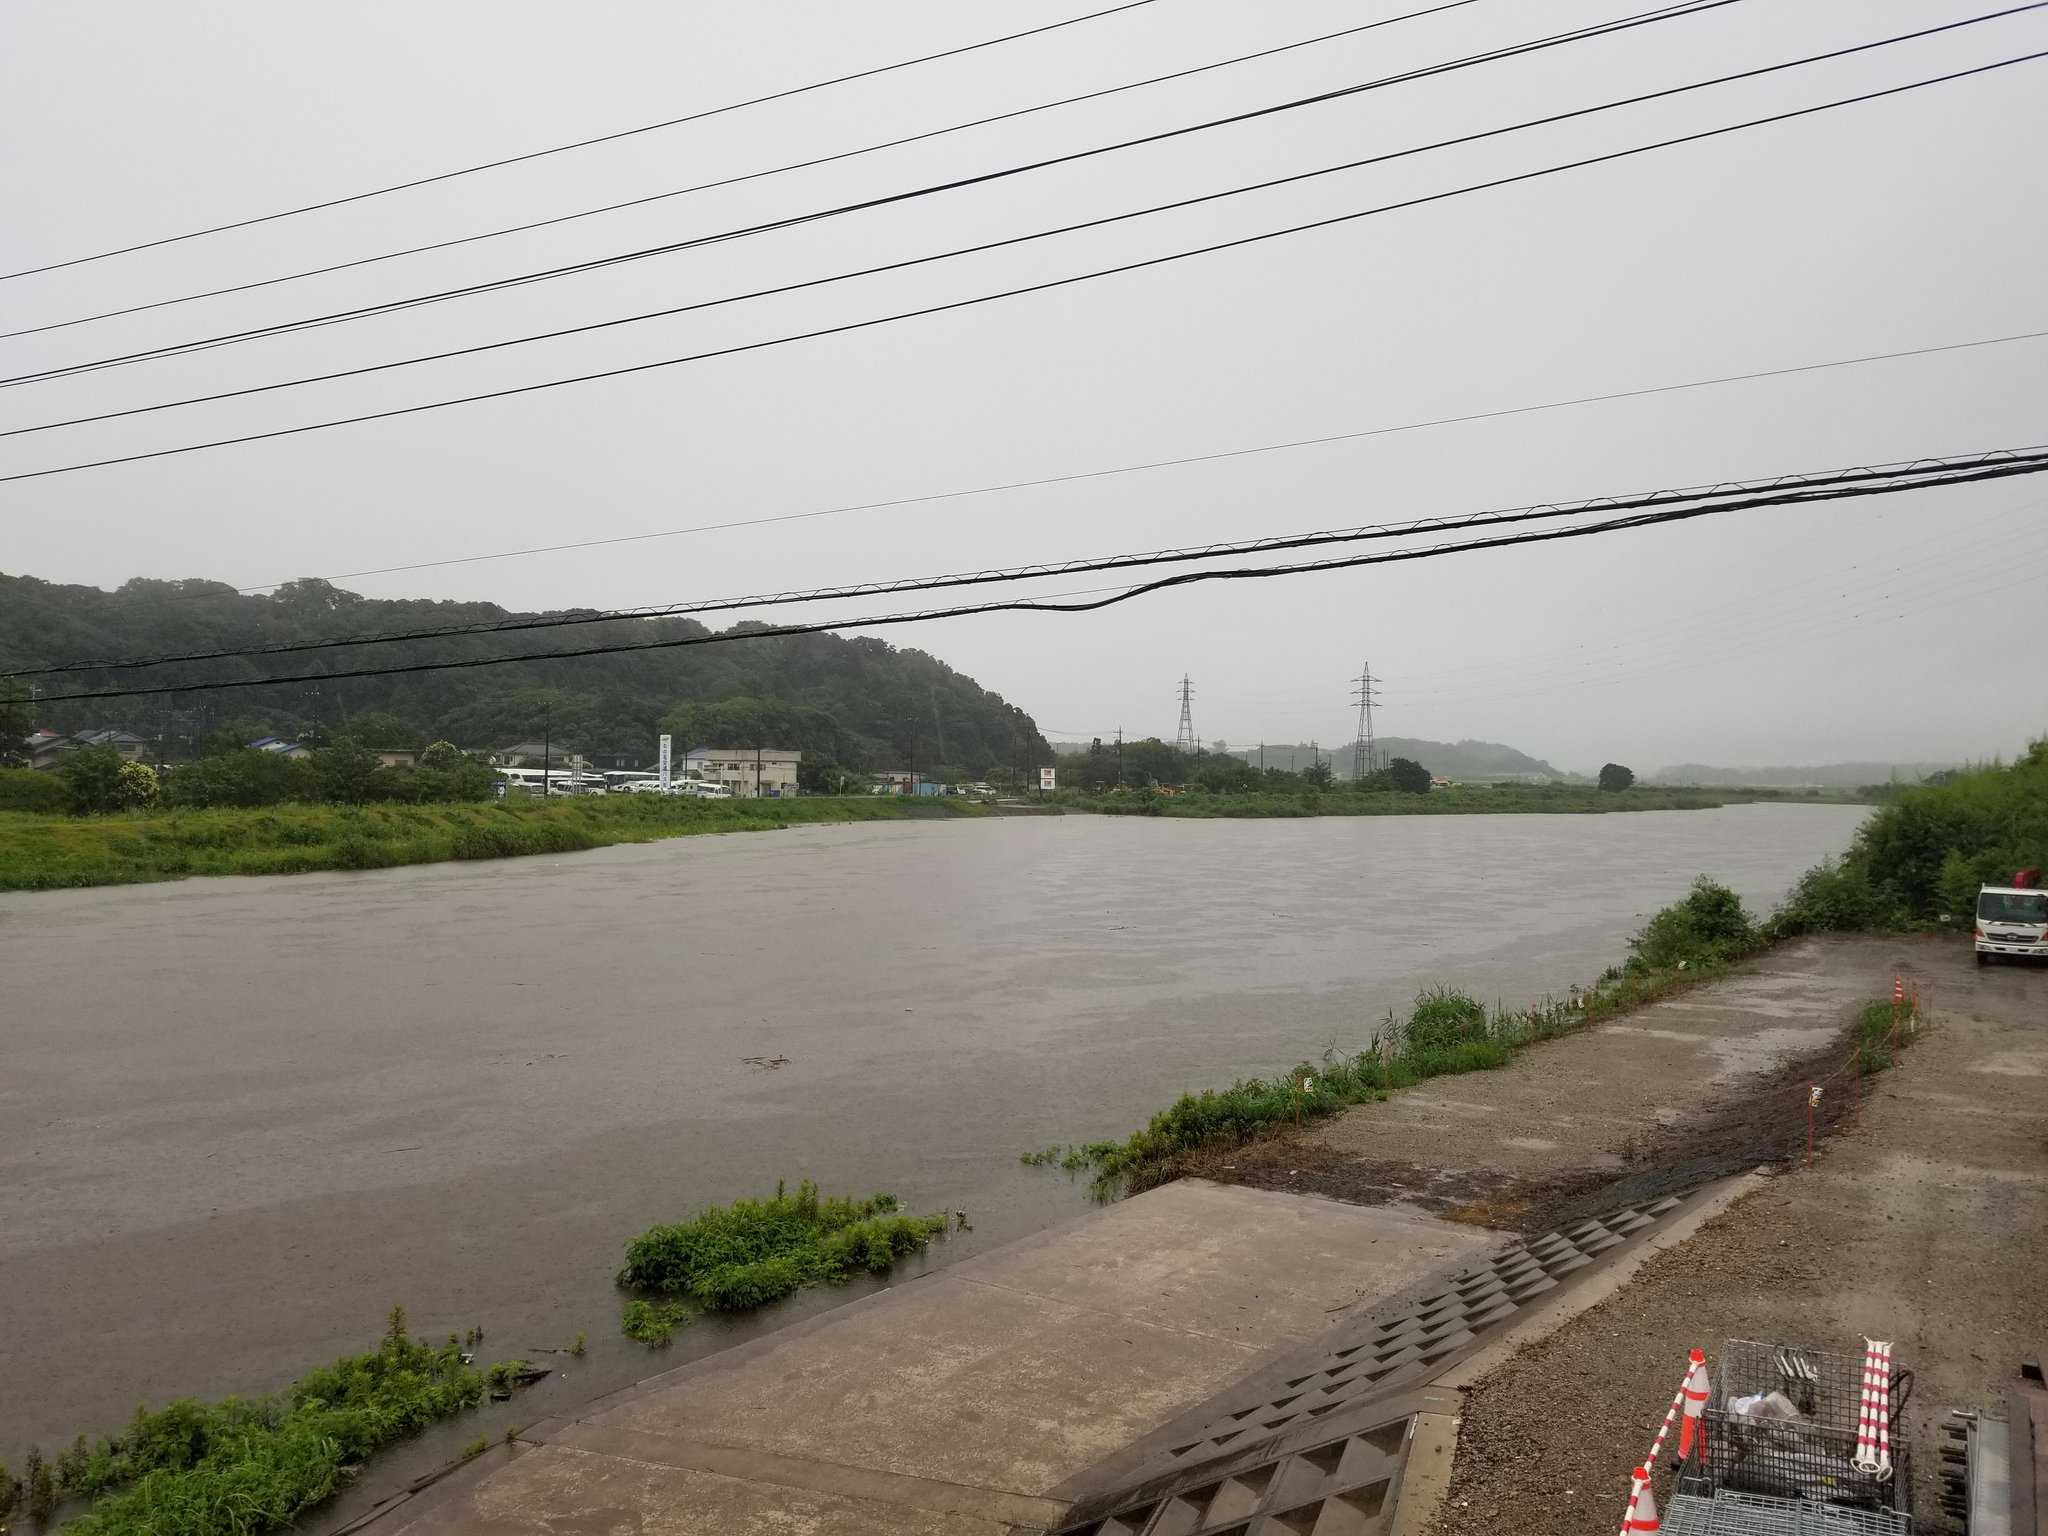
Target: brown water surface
{"points": [[241, 1117]]}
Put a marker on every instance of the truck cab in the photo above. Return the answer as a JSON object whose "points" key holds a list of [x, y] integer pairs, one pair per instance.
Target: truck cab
{"points": [[2012, 920]]}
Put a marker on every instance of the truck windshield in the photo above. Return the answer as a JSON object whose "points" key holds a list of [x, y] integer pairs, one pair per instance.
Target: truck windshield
{"points": [[2012, 907]]}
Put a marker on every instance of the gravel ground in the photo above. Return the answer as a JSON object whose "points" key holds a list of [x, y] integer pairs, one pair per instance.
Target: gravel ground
{"points": [[1926, 1223]]}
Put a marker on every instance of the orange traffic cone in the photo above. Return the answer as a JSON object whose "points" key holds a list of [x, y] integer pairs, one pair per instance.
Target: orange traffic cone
{"points": [[1642, 1508], [1695, 1394]]}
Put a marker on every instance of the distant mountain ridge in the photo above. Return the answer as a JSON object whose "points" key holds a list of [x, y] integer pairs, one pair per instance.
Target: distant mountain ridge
{"points": [[1824, 775]]}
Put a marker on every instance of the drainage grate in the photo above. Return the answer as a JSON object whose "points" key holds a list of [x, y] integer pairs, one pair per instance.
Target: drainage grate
{"points": [[1314, 1446]]}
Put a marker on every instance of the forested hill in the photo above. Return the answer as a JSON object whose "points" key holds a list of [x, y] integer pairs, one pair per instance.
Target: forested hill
{"points": [[861, 703]]}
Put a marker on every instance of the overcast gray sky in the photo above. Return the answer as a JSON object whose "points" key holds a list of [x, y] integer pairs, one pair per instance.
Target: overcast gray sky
{"points": [[1856, 630]]}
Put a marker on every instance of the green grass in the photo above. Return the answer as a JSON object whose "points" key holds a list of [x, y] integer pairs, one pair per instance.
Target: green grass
{"points": [[45, 852], [757, 1251], [241, 1467], [653, 1323], [1446, 1032]]}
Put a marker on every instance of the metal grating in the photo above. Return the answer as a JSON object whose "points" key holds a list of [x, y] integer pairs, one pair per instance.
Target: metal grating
{"points": [[1749, 1514], [1315, 1445]]}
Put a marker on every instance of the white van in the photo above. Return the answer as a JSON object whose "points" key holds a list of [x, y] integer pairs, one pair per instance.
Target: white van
{"points": [[2012, 920]]}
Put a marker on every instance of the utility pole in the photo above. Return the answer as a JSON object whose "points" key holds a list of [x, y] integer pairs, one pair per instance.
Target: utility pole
{"points": [[1119, 757], [1184, 741], [938, 725], [547, 748], [1365, 757]]}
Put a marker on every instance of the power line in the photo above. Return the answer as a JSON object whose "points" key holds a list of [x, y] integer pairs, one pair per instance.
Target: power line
{"points": [[469, 351], [1176, 463], [2012, 463], [1040, 287], [932, 189], [561, 149], [729, 181], [1728, 623], [1924, 469]]}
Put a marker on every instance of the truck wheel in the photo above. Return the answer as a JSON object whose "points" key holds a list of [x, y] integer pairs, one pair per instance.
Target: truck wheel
{"points": [[1982, 958]]}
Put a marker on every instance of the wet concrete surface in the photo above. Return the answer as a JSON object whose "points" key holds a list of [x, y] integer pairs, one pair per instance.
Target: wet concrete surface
{"points": [[240, 1118]]}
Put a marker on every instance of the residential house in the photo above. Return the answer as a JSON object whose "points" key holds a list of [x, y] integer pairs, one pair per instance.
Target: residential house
{"points": [[749, 772], [277, 746], [47, 749]]}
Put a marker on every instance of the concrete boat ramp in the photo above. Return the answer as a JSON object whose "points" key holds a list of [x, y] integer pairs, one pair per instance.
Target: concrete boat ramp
{"points": [[1085, 1379]]}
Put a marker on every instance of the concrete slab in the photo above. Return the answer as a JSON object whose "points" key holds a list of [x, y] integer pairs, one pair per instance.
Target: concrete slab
{"points": [[960, 1401]]}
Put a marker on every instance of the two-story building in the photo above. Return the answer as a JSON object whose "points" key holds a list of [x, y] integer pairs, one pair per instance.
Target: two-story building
{"points": [[749, 772]]}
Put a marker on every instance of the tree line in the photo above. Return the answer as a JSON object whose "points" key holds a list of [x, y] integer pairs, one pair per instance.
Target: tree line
{"points": [[850, 705]]}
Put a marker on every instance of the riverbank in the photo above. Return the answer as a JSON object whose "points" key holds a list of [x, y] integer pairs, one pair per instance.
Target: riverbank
{"points": [[55, 852], [1454, 800], [1112, 1366]]}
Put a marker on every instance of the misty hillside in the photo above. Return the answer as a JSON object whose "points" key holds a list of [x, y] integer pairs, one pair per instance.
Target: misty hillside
{"points": [[860, 702], [1825, 776]]}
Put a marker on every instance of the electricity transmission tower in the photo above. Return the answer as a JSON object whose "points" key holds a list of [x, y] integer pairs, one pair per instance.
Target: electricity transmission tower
{"points": [[1365, 756], [1185, 740]]}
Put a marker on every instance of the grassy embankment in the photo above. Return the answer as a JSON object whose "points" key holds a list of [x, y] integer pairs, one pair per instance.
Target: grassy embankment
{"points": [[40, 852], [1458, 800], [245, 1466], [1917, 863], [733, 1258]]}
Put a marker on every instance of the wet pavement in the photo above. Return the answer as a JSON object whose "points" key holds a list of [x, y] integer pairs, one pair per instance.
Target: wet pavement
{"points": [[240, 1118]]}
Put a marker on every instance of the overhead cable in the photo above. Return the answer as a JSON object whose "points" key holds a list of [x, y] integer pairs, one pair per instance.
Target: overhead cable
{"points": [[731, 181], [1009, 241], [1154, 464], [932, 189], [1031, 288], [1044, 605], [562, 149], [1780, 490]]}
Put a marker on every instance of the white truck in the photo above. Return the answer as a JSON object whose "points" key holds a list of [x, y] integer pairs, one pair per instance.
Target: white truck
{"points": [[2012, 920]]}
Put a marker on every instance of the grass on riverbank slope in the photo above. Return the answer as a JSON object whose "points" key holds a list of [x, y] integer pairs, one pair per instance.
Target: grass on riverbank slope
{"points": [[757, 1251], [46, 852], [1458, 800], [242, 1467]]}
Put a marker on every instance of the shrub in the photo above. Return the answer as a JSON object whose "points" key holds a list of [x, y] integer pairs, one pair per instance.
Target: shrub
{"points": [[23, 789], [758, 1251], [240, 777], [241, 1467], [99, 780], [1708, 926]]}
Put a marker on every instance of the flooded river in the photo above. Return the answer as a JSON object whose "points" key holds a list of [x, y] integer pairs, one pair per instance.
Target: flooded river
{"points": [[240, 1118]]}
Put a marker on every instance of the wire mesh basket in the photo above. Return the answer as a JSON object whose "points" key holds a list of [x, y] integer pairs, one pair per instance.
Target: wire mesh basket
{"points": [[1749, 1514], [1808, 1458]]}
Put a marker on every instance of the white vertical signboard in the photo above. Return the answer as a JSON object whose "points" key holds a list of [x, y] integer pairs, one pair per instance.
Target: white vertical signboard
{"points": [[1046, 777], [667, 742]]}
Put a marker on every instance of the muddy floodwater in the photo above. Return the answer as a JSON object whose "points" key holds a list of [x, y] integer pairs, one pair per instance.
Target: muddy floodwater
{"points": [[239, 1118]]}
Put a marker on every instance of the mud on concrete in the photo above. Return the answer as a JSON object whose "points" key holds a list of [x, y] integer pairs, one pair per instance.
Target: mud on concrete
{"points": [[1695, 1088]]}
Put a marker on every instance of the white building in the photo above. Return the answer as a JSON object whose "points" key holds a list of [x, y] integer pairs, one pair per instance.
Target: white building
{"points": [[749, 772]]}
